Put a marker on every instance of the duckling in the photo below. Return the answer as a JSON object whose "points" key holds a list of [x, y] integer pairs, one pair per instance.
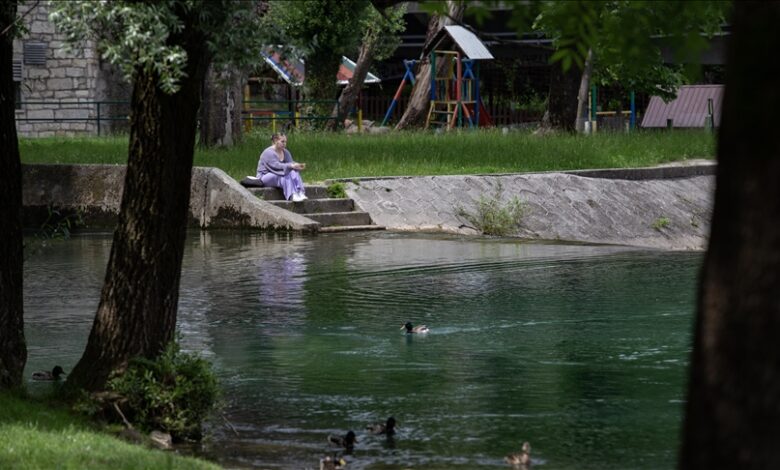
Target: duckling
{"points": [[414, 329], [333, 463], [347, 441], [520, 459], [387, 428], [48, 376]]}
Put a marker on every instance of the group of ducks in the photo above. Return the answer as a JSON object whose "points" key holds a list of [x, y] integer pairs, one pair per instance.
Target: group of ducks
{"points": [[348, 441], [520, 460]]}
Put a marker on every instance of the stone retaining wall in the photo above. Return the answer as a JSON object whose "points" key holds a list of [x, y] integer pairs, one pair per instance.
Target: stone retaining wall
{"points": [[667, 207], [95, 191]]}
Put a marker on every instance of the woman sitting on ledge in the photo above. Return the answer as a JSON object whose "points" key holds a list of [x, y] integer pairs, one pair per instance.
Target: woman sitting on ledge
{"points": [[276, 168]]}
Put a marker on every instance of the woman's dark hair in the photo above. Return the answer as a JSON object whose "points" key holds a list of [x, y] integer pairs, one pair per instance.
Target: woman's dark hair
{"points": [[276, 136]]}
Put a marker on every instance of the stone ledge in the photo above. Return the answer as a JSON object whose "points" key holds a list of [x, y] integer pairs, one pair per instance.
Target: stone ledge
{"points": [[216, 199]]}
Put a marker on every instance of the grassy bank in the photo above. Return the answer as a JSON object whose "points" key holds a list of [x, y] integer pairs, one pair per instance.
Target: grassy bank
{"points": [[35, 435], [412, 153]]}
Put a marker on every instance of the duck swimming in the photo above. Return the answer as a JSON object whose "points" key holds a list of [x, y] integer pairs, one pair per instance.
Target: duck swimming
{"points": [[387, 428], [347, 441], [333, 463], [520, 459], [414, 329], [48, 376]]}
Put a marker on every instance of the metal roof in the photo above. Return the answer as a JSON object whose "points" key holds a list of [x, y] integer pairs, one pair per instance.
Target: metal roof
{"points": [[465, 40], [689, 109], [293, 71]]}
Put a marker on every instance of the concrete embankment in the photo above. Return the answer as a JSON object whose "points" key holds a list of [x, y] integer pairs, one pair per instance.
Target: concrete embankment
{"points": [[664, 207], [95, 191]]}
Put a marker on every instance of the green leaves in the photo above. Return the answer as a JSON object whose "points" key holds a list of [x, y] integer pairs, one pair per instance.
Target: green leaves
{"points": [[147, 35], [129, 35]]}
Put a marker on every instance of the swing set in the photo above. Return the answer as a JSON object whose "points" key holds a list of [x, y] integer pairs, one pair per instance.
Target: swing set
{"points": [[454, 89]]}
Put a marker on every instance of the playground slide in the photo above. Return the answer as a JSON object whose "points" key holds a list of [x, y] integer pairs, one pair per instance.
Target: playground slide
{"points": [[484, 117]]}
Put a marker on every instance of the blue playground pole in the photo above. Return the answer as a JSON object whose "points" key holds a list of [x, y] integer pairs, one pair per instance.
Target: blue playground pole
{"points": [[409, 64], [632, 124]]}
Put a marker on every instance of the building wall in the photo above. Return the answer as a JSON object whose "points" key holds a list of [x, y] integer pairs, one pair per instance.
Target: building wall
{"points": [[59, 94]]}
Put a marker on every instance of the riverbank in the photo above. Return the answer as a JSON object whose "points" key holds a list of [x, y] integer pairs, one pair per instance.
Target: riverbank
{"points": [[665, 207], [38, 434]]}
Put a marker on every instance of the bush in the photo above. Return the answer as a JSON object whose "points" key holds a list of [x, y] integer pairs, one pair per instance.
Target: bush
{"points": [[493, 217], [173, 393], [337, 191]]}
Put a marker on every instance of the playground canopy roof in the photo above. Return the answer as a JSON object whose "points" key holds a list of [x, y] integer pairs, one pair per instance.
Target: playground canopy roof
{"points": [[689, 109], [293, 71], [465, 40]]}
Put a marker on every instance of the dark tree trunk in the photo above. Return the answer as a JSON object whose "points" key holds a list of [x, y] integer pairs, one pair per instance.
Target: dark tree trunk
{"points": [[13, 350], [561, 111], [220, 112], [733, 408], [419, 102], [137, 311], [320, 84], [582, 94], [350, 93]]}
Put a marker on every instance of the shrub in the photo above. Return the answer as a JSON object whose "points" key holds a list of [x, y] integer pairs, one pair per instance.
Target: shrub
{"points": [[661, 223], [337, 191], [492, 217], [172, 393]]}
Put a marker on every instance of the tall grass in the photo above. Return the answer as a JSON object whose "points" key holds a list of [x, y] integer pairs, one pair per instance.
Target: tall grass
{"points": [[330, 155], [37, 435]]}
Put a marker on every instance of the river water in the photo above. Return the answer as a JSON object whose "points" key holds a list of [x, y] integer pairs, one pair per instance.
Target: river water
{"points": [[580, 350]]}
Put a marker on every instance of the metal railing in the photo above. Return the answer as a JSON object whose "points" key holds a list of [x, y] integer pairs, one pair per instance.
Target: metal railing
{"points": [[95, 111], [282, 113], [278, 113]]}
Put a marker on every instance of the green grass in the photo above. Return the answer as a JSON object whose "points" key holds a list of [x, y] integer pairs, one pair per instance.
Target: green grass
{"points": [[38, 435], [330, 156]]}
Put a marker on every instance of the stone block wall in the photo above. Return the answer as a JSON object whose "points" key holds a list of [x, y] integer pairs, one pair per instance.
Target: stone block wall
{"points": [[59, 95]]}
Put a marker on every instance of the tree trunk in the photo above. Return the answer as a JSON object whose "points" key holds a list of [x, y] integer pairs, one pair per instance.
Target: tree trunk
{"points": [[137, 311], [561, 111], [733, 409], [13, 350], [419, 102], [582, 95], [320, 85], [350, 93], [220, 112]]}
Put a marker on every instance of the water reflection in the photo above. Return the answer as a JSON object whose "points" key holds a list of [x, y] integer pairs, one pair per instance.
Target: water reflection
{"points": [[569, 347]]}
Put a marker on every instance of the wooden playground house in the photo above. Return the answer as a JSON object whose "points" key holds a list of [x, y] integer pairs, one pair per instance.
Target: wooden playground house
{"points": [[281, 106], [454, 55]]}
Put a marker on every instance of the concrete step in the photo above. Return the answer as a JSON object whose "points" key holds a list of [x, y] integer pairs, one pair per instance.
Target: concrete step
{"points": [[350, 228], [328, 219], [275, 194], [315, 206]]}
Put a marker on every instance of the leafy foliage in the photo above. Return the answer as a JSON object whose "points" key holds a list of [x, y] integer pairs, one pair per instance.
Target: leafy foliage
{"points": [[492, 216], [383, 28], [315, 26], [173, 393], [136, 35], [626, 36], [337, 190]]}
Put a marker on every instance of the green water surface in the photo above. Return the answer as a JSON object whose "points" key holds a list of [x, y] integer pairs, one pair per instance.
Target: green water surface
{"points": [[580, 350]]}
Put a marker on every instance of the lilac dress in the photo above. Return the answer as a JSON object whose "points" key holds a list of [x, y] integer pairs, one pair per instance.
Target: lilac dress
{"points": [[279, 174]]}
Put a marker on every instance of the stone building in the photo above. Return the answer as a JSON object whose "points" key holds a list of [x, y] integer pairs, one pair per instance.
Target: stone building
{"points": [[61, 91]]}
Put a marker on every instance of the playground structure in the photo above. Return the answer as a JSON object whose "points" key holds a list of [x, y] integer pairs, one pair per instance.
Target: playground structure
{"points": [[282, 114], [453, 53]]}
